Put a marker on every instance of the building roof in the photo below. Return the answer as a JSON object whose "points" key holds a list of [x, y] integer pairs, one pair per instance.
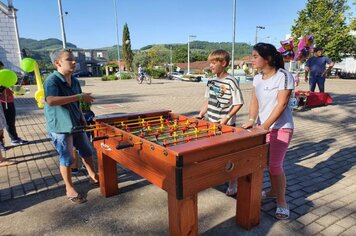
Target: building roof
{"points": [[194, 65]]}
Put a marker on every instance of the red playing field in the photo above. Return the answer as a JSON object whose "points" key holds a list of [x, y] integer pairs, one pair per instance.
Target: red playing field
{"points": [[183, 156]]}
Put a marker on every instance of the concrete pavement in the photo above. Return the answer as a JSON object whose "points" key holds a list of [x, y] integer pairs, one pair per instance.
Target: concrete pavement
{"points": [[320, 168]]}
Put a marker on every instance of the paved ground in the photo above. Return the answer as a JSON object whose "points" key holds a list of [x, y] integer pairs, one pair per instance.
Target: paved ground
{"points": [[320, 169]]}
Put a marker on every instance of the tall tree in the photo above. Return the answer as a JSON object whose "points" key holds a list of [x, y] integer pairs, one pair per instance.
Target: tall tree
{"points": [[126, 47], [326, 20]]}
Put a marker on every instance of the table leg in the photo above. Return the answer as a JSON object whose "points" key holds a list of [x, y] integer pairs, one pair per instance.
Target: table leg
{"points": [[248, 205], [107, 175], [183, 215]]}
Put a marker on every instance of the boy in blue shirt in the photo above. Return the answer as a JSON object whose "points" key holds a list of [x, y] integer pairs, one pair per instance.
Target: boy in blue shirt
{"points": [[62, 111]]}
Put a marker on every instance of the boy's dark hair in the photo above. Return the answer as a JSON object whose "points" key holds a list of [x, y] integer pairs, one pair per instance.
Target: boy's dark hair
{"points": [[220, 55], [269, 52]]}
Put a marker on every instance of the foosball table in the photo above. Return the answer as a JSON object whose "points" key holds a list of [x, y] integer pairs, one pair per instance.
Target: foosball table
{"points": [[183, 156]]}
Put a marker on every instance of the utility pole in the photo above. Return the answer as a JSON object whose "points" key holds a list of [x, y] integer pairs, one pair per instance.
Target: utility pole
{"points": [[233, 37], [190, 36], [170, 60], [117, 37], [64, 41], [257, 28]]}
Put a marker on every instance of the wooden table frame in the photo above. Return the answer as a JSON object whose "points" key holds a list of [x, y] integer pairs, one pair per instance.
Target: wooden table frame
{"points": [[186, 169]]}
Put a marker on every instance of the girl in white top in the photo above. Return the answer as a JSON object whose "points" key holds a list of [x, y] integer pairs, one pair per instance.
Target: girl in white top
{"points": [[270, 109]]}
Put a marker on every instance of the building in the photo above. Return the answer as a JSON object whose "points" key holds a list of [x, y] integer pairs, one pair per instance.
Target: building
{"points": [[10, 53], [90, 60]]}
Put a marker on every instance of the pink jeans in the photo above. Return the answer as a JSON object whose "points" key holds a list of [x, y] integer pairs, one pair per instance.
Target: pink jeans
{"points": [[278, 140]]}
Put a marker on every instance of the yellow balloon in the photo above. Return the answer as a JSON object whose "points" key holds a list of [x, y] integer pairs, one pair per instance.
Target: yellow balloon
{"points": [[28, 64], [39, 96]]}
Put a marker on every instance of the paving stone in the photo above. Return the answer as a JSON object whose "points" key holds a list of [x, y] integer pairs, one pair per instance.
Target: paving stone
{"points": [[327, 220], [332, 230], [342, 212], [307, 218], [323, 210], [347, 222], [313, 228], [349, 232]]}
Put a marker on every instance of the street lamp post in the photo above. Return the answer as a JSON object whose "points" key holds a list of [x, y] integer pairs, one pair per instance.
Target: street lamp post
{"points": [[189, 37], [117, 37], [233, 37], [64, 41], [257, 28]]}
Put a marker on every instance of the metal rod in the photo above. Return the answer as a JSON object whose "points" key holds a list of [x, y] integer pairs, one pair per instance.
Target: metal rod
{"points": [[233, 37], [64, 40], [117, 36]]}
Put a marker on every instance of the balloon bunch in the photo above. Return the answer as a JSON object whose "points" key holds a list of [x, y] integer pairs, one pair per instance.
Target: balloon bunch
{"points": [[29, 65], [305, 45], [287, 49]]}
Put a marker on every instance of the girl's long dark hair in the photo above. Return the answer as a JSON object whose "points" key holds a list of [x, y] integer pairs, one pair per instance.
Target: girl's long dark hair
{"points": [[269, 52]]}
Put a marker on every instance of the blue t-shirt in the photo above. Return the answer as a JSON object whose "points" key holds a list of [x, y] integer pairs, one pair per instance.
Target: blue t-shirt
{"points": [[61, 119], [317, 65]]}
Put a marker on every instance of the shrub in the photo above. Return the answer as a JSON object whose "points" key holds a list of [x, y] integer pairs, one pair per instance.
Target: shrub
{"points": [[125, 76], [156, 73], [109, 77]]}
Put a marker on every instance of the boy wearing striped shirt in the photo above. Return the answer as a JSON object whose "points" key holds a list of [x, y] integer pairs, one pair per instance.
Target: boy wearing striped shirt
{"points": [[224, 97]]}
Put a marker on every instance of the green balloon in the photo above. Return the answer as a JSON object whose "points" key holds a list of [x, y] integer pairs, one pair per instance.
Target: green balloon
{"points": [[28, 64], [8, 78]]}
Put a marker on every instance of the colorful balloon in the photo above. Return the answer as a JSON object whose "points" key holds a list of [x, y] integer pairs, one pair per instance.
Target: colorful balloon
{"points": [[28, 64], [287, 49], [8, 78], [305, 45]]}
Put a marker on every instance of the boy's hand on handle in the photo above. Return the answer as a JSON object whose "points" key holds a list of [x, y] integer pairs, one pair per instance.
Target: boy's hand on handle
{"points": [[87, 97], [247, 125]]}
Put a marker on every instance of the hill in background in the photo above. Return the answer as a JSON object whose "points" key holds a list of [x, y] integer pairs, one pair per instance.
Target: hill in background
{"points": [[39, 49]]}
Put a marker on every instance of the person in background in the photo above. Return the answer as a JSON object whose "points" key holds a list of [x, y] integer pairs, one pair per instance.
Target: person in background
{"points": [[270, 109], [8, 105], [63, 95], [224, 98], [3, 161], [316, 68]]}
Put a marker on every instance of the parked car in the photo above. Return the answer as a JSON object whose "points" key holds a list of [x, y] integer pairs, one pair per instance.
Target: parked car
{"points": [[175, 75], [82, 73]]}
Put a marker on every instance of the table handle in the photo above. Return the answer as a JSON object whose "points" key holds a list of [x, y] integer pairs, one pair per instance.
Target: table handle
{"points": [[124, 145]]}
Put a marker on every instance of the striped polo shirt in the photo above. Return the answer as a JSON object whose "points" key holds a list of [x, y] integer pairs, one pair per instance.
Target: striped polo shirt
{"points": [[222, 95]]}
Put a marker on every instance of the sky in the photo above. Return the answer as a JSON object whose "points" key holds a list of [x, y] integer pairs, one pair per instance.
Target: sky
{"points": [[91, 24]]}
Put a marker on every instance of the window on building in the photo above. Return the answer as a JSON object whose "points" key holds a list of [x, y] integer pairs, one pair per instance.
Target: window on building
{"points": [[87, 56], [99, 54]]}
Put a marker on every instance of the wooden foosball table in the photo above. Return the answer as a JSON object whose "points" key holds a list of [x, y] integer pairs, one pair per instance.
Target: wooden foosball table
{"points": [[183, 156]]}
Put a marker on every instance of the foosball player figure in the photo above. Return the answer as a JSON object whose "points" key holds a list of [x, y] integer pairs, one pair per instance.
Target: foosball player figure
{"points": [[224, 98]]}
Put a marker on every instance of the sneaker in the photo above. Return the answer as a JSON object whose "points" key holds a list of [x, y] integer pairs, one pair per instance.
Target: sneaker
{"points": [[18, 142], [2, 146]]}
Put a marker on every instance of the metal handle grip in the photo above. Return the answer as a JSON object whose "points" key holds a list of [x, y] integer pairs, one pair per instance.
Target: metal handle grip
{"points": [[100, 138], [124, 145]]}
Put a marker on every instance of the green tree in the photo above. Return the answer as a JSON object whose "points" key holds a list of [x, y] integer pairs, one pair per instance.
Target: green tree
{"points": [[180, 54], [126, 47], [158, 55], [325, 19]]}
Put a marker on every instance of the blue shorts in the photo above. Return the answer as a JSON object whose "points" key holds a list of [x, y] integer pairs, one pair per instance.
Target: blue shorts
{"points": [[64, 144]]}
